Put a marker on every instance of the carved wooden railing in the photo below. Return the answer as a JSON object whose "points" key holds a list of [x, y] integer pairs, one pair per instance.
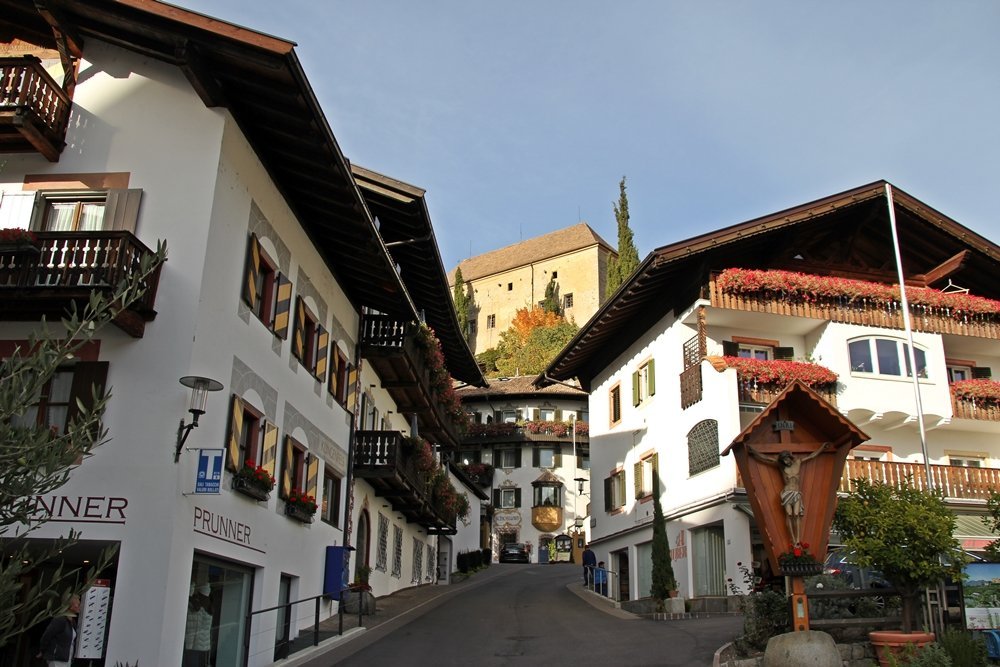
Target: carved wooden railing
{"points": [[26, 88], [69, 261], [860, 311], [751, 392], [969, 409]]}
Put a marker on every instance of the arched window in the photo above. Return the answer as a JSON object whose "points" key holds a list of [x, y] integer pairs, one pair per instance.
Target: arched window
{"points": [[703, 446], [885, 356]]}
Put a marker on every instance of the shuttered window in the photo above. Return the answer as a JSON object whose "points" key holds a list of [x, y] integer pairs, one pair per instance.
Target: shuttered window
{"points": [[644, 472], [251, 439], [86, 210], [614, 491], [60, 399], [330, 506], [615, 409], [266, 291], [293, 468]]}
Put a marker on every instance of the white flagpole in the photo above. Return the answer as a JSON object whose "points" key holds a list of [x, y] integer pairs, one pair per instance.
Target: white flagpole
{"points": [[912, 357]]}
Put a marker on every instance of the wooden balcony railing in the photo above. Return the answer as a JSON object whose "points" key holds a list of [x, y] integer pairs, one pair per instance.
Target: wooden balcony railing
{"points": [[65, 267], [969, 409], [691, 386], [954, 481], [751, 392], [858, 311], [34, 109]]}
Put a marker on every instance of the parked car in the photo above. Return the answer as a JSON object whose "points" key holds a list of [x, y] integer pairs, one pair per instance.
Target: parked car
{"points": [[839, 563], [514, 552]]}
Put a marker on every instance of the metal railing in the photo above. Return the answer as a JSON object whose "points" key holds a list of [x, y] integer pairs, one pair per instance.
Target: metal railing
{"points": [[609, 588], [287, 637]]}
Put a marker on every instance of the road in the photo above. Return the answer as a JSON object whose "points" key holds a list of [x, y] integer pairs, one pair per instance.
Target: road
{"points": [[528, 615]]}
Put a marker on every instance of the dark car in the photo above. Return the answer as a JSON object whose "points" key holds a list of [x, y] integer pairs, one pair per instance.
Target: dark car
{"points": [[514, 552], [840, 563]]}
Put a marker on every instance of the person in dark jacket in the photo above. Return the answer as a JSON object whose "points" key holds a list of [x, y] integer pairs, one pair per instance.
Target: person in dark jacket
{"points": [[589, 563], [58, 639]]}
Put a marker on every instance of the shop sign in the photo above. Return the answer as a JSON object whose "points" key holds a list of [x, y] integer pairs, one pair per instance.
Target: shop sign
{"points": [[209, 471]]}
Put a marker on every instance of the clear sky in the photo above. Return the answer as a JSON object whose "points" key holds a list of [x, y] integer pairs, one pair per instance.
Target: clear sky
{"points": [[520, 117]]}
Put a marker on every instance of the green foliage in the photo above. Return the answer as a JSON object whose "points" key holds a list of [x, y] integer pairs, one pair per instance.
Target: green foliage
{"points": [[463, 302], [551, 303], [993, 523], [931, 655], [534, 353], [620, 268], [905, 533], [663, 570], [765, 613], [964, 648], [487, 360], [35, 460]]}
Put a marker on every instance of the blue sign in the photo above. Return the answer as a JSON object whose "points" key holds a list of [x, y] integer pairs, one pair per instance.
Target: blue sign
{"points": [[209, 471]]}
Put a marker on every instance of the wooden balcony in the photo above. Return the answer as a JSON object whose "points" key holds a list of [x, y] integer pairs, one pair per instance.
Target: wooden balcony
{"points": [[34, 109], [956, 482], [65, 268], [493, 433], [858, 311], [390, 346], [967, 409], [384, 460], [750, 392]]}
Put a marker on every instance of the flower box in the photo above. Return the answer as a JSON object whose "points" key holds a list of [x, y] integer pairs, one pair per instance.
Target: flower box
{"points": [[248, 488], [801, 569], [299, 513]]}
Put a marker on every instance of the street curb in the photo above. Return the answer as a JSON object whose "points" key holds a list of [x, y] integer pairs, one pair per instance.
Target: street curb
{"points": [[609, 607]]}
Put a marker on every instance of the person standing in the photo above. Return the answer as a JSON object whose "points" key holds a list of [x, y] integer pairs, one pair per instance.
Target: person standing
{"points": [[589, 563], [56, 646], [601, 579]]}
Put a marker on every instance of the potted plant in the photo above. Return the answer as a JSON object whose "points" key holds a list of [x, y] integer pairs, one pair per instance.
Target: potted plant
{"points": [[358, 595], [253, 481], [908, 535], [798, 562], [301, 506]]}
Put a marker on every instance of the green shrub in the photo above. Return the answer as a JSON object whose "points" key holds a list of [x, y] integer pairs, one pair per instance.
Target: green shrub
{"points": [[932, 655], [964, 648]]}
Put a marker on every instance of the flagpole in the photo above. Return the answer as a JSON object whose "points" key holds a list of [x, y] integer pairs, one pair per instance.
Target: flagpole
{"points": [[911, 354]]}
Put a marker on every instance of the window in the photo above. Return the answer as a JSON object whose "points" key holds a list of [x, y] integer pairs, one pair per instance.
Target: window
{"points": [[967, 460], [555, 275], [472, 326], [643, 383], [397, 551], [510, 416], [310, 340], [583, 462], [508, 458], [491, 321], [959, 373], [382, 551], [340, 384], [754, 352], [86, 210], [293, 467], [252, 440], [331, 498], [546, 457], [509, 498], [884, 356], [616, 404], [418, 561], [547, 414], [510, 287], [644, 471], [614, 491], [548, 495], [57, 402], [369, 412], [568, 300], [703, 446], [763, 349], [266, 290]]}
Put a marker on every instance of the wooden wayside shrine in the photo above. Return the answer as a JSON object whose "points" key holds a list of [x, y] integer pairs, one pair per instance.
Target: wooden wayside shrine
{"points": [[791, 458]]}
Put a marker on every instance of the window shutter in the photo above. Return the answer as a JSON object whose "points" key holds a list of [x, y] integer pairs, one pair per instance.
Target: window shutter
{"points": [[497, 417], [121, 210], [517, 497], [635, 388], [299, 332], [352, 388], [607, 494], [558, 415], [982, 373], [251, 276], [15, 209], [651, 378], [235, 433], [730, 349], [517, 457], [784, 354], [287, 474], [270, 448], [331, 384], [312, 476], [520, 415], [322, 349], [535, 458], [282, 303], [557, 459], [637, 472], [496, 497], [89, 380]]}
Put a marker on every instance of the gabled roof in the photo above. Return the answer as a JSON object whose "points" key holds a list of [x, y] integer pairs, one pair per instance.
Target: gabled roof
{"points": [[846, 234], [405, 225], [547, 246], [259, 79]]}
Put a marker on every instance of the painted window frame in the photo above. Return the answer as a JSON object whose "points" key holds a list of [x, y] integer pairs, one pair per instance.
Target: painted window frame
{"points": [[615, 404], [877, 355]]}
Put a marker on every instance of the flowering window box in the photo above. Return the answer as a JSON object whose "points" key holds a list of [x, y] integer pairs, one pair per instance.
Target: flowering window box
{"points": [[248, 488], [299, 513]]}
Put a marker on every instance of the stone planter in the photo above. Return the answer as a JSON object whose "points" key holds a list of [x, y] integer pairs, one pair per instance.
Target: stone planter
{"points": [[299, 513], [248, 488], [351, 599]]}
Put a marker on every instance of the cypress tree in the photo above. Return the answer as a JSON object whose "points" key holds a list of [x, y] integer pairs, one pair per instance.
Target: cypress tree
{"points": [[663, 569], [627, 261], [460, 295]]}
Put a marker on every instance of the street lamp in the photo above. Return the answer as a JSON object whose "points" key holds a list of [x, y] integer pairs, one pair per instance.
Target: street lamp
{"points": [[200, 386]]}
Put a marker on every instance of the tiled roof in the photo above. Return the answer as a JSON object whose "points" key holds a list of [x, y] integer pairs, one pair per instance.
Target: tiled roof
{"points": [[543, 247], [517, 386]]}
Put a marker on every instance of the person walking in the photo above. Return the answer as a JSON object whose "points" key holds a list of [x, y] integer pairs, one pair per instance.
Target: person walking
{"points": [[56, 646], [589, 563]]}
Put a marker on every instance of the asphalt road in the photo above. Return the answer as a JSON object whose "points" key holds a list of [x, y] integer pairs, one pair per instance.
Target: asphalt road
{"points": [[526, 615]]}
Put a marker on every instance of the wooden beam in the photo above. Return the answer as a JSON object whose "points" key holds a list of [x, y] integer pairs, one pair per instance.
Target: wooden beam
{"points": [[199, 75], [946, 268]]}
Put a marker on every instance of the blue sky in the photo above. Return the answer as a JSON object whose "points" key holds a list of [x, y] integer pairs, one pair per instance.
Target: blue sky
{"points": [[519, 118]]}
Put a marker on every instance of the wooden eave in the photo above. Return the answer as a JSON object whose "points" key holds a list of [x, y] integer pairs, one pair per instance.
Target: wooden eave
{"points": [[845, 235], [259, 79]]}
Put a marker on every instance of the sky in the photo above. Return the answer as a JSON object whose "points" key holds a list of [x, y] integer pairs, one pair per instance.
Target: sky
{"points": [[521, 117]]}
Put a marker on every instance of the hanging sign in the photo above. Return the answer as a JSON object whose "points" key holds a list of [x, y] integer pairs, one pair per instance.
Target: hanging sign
{"points": [[209, 471]]}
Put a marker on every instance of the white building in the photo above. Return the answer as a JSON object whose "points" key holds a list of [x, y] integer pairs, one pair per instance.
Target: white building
{"points": [[530, 447], [139, 122], [677, 365]]}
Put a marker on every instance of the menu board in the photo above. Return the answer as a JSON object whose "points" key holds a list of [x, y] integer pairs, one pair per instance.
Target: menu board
{"points": [[91, 629]]}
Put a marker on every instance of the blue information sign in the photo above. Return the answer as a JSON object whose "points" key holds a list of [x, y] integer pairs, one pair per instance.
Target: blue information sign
{"points": [[209, 471]]}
